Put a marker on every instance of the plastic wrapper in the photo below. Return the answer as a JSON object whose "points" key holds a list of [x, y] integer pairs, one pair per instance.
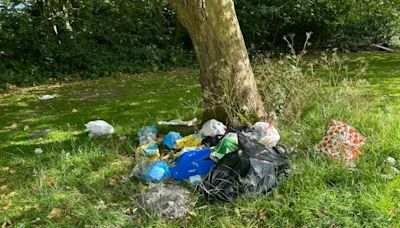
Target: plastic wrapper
{"points": [[227, 145], [266, 134], [188, 141], [170, 139], [148, 152], [147, 135], [155, 172], [98, 128], [342, 141], [192, 163], [213, 128]]}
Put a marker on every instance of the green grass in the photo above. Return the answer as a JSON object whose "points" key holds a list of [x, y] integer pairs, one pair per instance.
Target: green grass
{"points": [[75, 174]]}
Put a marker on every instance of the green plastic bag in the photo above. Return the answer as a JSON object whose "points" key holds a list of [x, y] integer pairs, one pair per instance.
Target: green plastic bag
{"points": [[227, 145]]}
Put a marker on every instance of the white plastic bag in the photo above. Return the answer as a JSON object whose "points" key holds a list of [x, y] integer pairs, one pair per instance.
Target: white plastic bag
{"points": [[99, 128], [212, 128], [46, 97], [266, 134], [179, 122]]}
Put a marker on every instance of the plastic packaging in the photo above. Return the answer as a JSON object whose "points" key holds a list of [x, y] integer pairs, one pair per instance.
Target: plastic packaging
{"points": [[147, 135], [227, 145], [342, 141], [196, 162], [170, 139], [261, 177], [178, 122], [46, 97], [223, 182], [253, 167], [155, 172], [188, 141], [148, 152], [212, 128], [99, 128], [266, 134]]}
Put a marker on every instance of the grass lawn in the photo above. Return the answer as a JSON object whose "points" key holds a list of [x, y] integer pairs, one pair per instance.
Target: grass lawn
{"points": [[74, 182]]}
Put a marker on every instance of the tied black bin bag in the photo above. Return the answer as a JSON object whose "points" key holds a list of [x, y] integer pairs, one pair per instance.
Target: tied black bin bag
{"points": [[253, 167]]}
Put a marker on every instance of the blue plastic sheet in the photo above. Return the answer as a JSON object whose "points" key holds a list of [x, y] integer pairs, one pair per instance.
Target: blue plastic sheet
{"points": [[156, 172], [170, 139]]}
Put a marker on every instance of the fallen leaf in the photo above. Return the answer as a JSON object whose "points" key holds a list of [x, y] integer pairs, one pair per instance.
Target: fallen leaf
{"points": [[55, 213], [7, 223], [3, 188], [112, 182], [8, 206]]}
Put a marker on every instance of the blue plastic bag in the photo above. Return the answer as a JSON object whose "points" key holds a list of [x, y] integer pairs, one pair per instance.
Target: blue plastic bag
{"points": [[192, 163], [156, 172], [170, 139]]}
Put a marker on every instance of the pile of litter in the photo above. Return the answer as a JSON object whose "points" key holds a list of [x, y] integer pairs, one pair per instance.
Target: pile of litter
{"points": [[221, 162]]}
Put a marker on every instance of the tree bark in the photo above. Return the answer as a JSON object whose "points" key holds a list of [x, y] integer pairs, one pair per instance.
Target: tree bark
{"points": [[229, 88]]}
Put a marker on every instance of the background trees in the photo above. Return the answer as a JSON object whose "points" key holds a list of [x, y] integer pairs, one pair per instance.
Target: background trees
{"points": [[41, 39]]}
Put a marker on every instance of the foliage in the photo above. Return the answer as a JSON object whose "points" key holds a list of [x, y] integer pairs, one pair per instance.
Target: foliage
{"points": [[42, 39], [56, 39], [340, 22]]}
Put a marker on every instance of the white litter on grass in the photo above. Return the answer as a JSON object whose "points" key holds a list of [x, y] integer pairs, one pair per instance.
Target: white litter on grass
{"points": [[392, 161], [38, 151], [99, 128], [46, 97], [266, 134], [178, 122], [213, 128], [26, 127]]}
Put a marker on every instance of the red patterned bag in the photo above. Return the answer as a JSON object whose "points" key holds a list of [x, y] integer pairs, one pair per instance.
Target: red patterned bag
{"points": [[341, 141]]}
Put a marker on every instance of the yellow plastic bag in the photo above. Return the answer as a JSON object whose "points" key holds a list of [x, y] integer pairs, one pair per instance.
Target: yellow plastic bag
{"points": [[149, 152], [188, 141]]}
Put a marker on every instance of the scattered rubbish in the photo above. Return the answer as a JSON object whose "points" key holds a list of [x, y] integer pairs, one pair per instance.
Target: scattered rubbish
{"points": [[223, 182], [277, 155], [195, 180], [213, 128], [138, 169], [169, 202], [147, 135], [391, 161], [223, 163], [98, 128], [192, 163], [342, 141], [228, 144], [192, 140], [235, 172], [38, 151], [26, 127], [46, 97], [39, 134], [74, 110], [390, 168], [178, 122], [124, 180], [261, 177], [170, 139], [148, 152], [266, 134], [155, 172], [211, 141]]}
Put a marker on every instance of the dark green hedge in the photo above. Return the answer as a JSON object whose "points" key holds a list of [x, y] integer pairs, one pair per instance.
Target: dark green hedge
{"points": [[42, 39]]}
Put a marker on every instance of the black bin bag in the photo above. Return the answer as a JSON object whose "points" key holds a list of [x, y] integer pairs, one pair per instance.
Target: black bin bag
{"points": [[254, 168], [223, 182]]}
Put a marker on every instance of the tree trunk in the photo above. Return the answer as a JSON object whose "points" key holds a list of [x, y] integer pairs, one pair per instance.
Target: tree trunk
{"points": [[229, 88]]}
